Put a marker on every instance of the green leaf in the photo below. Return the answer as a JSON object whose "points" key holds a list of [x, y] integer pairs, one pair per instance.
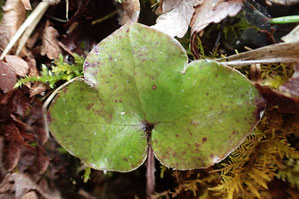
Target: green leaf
{"points": [[139, 90]]}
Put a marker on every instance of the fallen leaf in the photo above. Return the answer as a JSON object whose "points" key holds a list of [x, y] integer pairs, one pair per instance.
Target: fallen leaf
{"points": [[50, 45], [274, 97], [176, 16], [18, 64], [22, 121], [12, 148], [130, 10], [37, 88], [27, 4], [213, 11], [291, 87], [7, 77], [19, 104], [281, 52], [21, 184], [284, 2], [293, 36], [12, 19], [30, 195]]}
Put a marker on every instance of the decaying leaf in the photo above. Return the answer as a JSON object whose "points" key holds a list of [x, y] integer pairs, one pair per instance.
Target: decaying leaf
{"points": [[27, 4], [12, 150], [36, 88], [21, 184], [19, 65], [284, 2], [50, 46], [213, 12], [281, 52], [30, 195], [21, 121], [13, 17], [291, 87], [7, 77], [293, 36], [274, 97], [141, 96], [129, 12], [176, 16]]}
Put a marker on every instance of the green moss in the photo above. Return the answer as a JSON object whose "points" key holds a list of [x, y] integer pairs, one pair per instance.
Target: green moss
{"points": [[59, 71]]}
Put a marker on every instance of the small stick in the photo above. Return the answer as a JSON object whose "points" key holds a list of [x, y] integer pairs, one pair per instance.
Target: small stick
{"points": [[150, 173]]}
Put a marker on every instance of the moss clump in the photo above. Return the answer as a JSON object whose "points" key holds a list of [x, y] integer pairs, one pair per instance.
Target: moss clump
{"points": [[59, 71]]}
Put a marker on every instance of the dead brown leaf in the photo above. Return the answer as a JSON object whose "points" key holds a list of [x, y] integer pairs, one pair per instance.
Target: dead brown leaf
{"points": [[7, 77], [129, 12], [291, 87], [50, 45], [284, 2], [12, 149], [22, 184], [36, 88], [30, 195], [27, 4], [13, 17], [293, 36], [176, 16], [17, 64], [213, 12], [274, 97], [281, 52]]}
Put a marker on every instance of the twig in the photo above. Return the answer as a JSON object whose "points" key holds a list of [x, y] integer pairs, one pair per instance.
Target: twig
{"points": [[29, 30], [32, 20], [104, 18], [41, 8]]}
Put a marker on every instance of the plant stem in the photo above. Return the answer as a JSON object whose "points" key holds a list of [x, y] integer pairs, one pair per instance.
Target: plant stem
{"points": [[150, 173]]}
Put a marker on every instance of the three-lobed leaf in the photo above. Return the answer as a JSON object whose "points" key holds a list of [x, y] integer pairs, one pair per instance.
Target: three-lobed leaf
{"points": [[139, 90]]}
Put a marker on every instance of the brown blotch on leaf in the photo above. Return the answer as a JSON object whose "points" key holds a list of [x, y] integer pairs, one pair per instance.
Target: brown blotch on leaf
{"points": [[177, 135], [89, 106], [194, 123], [235, 132]]}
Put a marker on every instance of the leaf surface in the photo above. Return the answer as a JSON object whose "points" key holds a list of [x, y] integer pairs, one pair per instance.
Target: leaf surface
{"points": [[142, 92]]}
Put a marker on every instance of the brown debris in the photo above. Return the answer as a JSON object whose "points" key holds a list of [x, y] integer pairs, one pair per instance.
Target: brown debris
{"points": [[21, 122], [13, 17], [275, 98], [176, 16], [7, 77], [283, 2], [275, 53], [37, 88], [213, 12], [50, 45], [291, 87], [21, 185], [27, 4], [18, 64], [129, 12]]}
